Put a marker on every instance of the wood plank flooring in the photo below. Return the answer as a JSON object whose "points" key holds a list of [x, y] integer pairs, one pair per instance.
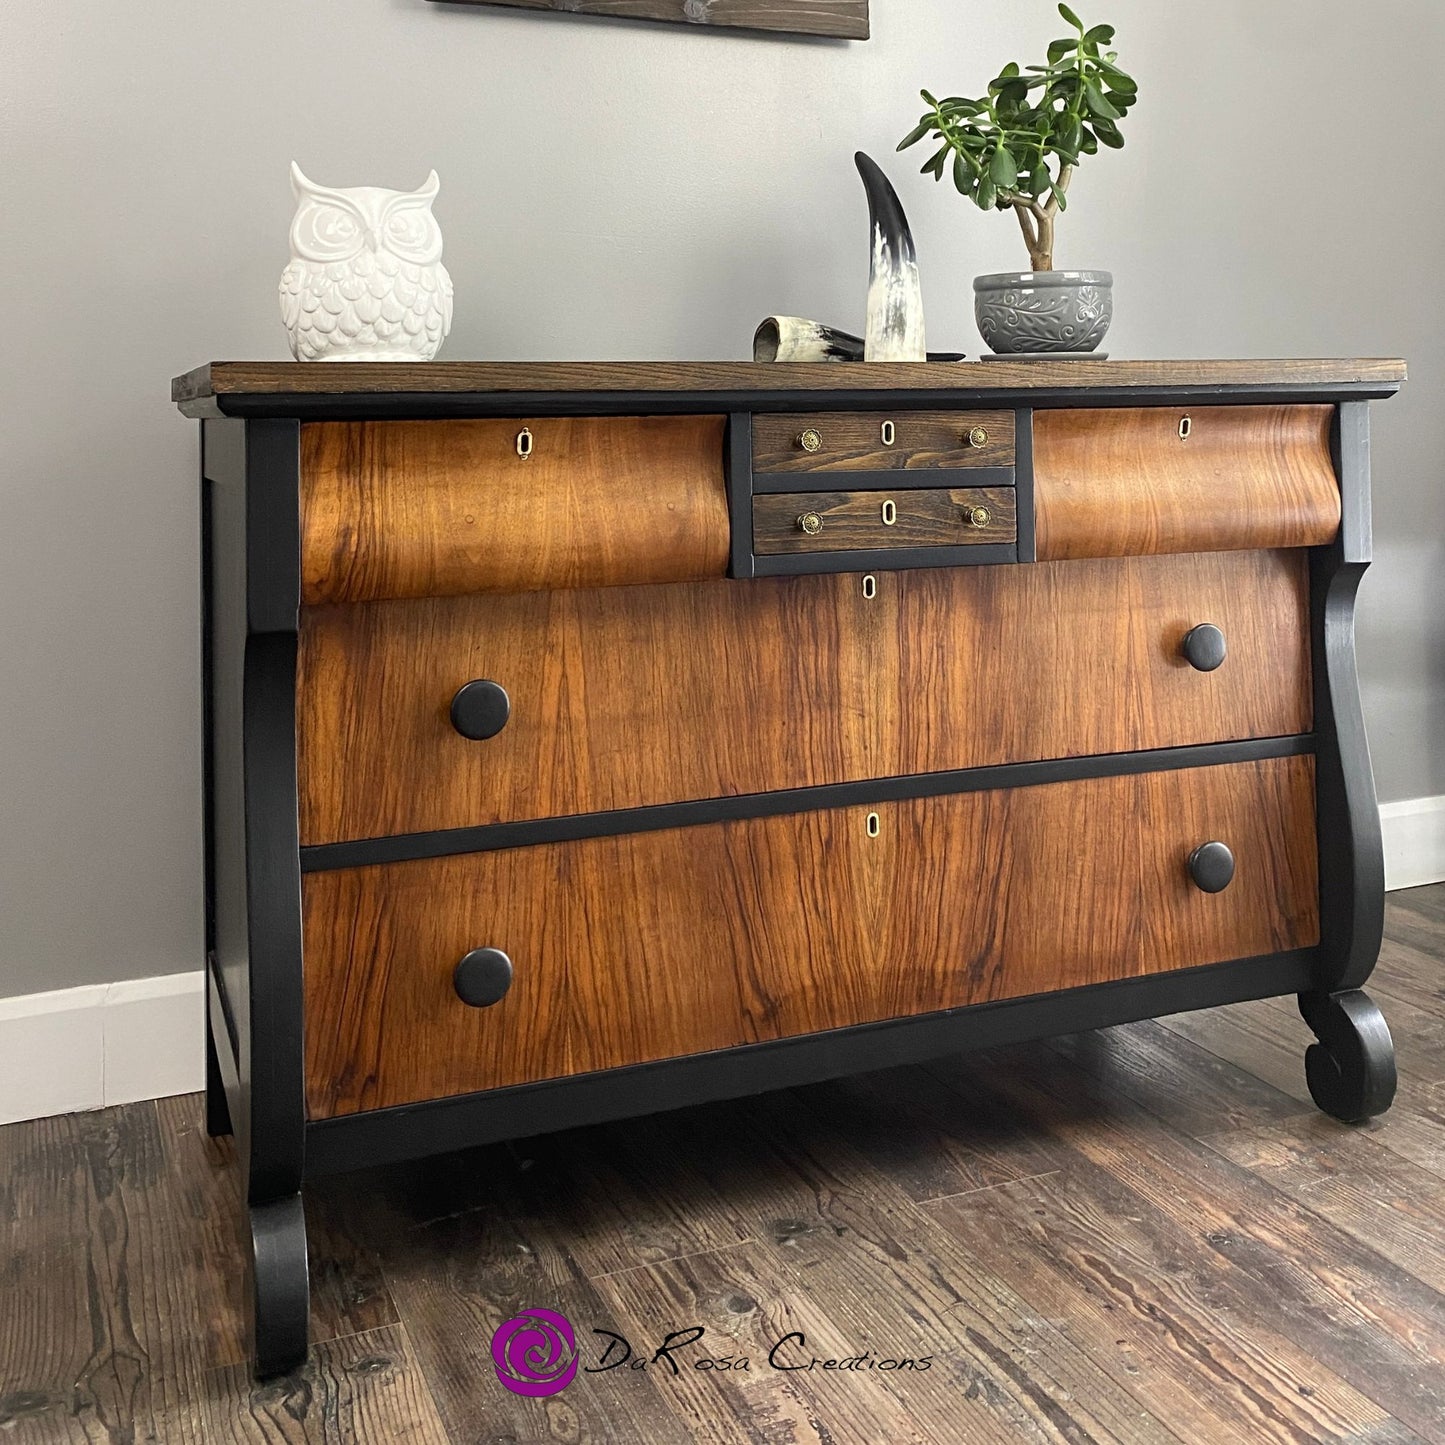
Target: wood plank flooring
{"points": [[1146, 1234]]}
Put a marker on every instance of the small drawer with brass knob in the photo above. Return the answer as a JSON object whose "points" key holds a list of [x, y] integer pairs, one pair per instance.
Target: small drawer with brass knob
{"points": [[795, 522], [879, 441]]}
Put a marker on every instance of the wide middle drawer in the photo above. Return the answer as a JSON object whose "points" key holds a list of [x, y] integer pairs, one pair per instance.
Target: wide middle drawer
{"points": [[624, 697]]}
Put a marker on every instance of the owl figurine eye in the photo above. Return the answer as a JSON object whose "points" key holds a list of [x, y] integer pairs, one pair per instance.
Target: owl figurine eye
{"points": [[411, 230], [326, 231], [366, 280]]}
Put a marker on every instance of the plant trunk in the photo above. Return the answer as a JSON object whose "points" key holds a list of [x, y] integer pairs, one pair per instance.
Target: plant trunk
{"points": [[1037, 222], [1038, 229], [1041, 252]]}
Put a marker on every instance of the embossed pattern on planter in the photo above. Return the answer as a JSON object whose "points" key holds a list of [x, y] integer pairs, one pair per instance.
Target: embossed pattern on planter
{"points": [[1049, 317]]}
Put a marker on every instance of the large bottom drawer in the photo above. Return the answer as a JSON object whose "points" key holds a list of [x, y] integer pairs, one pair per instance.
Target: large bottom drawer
{"points": [[653, 945]]}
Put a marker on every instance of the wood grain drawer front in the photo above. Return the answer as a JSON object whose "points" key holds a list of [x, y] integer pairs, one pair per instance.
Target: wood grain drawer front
{"points": [[1142, 480], [441, 508], [624, 697], [655, 945], [794, 522], [882, 441]]}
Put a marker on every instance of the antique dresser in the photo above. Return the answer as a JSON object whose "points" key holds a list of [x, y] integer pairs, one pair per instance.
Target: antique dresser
{"points": [[584, 738]]}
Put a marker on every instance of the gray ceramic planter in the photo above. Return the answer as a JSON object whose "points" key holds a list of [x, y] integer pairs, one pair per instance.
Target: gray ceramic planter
{"points": [[1023, 312]]}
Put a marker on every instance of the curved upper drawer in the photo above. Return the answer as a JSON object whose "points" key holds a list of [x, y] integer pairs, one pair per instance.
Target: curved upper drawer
{"points": [[1141, 480], [428, 509]]}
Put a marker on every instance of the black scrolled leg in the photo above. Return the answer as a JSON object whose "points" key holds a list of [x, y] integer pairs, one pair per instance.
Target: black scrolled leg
{"points": [[280, 1284], [1351, 1071], [251, 472], [218, 1113]]}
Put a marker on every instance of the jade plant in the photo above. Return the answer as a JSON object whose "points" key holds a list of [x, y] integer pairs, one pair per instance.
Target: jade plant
{"points": [[1017, 147]]}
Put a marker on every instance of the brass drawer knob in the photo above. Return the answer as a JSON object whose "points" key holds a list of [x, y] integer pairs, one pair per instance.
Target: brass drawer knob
{"points": [[978, 436], [810, 524], [977, 516], [811, 440]]}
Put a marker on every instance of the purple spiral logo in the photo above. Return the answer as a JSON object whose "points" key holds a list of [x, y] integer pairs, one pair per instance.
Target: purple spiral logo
{"points": [[535, 1354]]}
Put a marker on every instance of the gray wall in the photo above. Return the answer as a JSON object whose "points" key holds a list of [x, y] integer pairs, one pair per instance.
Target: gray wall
{"points": [[608, 191]]}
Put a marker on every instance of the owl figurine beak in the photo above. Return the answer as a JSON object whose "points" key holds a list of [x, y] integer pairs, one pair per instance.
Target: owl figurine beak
{"points": [[373, 240]]}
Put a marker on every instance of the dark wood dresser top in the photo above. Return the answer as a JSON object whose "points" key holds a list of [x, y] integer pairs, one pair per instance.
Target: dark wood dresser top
{"points": [[272, 388]]}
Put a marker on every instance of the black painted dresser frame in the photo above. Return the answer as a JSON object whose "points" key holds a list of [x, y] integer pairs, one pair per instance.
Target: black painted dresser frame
{"points": [[255, 1082]]}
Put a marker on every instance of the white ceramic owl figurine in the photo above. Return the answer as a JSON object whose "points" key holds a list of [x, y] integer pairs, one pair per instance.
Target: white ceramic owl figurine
{"points": [[366, 280]]}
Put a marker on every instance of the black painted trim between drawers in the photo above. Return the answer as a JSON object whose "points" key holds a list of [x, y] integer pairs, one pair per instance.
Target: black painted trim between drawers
{"points": [[403, 847], [1024, 485], [737, 463], [408, 1131], [884, 559], [898, 479]]}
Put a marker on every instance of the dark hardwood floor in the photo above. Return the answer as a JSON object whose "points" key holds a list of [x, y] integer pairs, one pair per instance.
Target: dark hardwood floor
{"points": [[1147, 1234]]}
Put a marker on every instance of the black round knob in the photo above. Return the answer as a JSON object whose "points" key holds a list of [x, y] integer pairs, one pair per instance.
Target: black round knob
{"points": [[1211, 866], [481, 709], [482, 977], [1204, 647]]}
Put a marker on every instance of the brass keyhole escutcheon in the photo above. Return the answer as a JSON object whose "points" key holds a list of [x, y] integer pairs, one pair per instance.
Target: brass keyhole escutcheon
{"points": [[889, 433], [810, 524], [873, 825], [870, 587], [890, 512], [811, 440], [524, 444], [977, 516], [978, 436], [1186, 425]]}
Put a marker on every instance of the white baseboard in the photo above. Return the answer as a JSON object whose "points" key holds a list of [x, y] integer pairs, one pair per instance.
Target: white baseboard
{"points": [[107, 1043], [113, 1043], [1414, 834]]}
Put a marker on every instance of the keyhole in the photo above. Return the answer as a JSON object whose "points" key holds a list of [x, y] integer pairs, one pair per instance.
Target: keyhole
{"points": [[870, 587], [524, 444], [1186, 425], [890, 513], [889, 434], [873, 825]]}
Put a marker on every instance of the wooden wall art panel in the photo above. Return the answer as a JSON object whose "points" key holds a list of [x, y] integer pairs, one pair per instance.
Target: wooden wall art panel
{"points": [[653, 945], [847, 19]]}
